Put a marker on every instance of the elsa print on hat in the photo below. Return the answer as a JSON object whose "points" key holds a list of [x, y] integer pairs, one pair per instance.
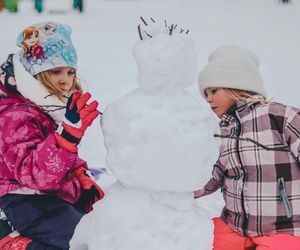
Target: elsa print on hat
{"points": [[46, 46]]}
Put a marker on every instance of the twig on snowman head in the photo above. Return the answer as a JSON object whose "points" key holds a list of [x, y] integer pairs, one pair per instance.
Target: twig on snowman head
{"points": [[171, 30], [140, 33], [144, 21], [147, 34]]}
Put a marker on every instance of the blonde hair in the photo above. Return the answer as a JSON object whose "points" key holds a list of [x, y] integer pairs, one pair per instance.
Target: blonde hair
{"points": [[241, 95], [44, 79]]}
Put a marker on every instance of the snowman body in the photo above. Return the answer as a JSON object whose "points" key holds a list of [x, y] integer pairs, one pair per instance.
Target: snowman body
{"points": [[160, 147]]}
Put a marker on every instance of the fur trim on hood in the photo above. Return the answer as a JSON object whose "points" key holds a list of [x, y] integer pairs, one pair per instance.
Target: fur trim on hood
{"points": [[16, 80]]}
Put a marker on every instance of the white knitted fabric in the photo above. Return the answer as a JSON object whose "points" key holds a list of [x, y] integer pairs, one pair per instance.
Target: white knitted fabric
{"points": [[231, 66]]}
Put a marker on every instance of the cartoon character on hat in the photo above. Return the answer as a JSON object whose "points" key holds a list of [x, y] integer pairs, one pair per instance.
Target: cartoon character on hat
{"points": [[46, 46], [31, 45]]}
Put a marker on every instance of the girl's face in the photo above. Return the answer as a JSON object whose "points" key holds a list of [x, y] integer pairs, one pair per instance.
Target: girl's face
{"points": [[218, 100], [32, 39], [62, 78]]}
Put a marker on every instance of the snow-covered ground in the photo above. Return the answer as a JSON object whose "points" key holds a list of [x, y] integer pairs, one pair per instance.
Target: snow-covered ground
{"points": [[106, 33]]}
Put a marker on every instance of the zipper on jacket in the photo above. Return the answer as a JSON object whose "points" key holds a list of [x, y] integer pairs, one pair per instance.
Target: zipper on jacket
{"points": [[283, 197], [245, 218]]}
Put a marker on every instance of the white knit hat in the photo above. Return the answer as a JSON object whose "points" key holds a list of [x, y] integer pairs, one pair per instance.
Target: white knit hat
{"points": [[233, 67]]}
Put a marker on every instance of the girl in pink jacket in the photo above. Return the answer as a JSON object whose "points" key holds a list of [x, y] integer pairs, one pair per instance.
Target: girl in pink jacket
{"points": [[45, 188], [258, 169]]}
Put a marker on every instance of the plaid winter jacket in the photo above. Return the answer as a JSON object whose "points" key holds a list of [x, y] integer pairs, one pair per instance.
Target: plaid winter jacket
{"points": [[258, 169]]}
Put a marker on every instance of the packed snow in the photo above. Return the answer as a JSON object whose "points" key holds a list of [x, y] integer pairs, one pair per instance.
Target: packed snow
{"points": [[156, 131], [155, 154], [153, 143]]}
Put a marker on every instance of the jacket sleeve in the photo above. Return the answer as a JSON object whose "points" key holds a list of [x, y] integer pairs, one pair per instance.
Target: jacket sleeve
{"points": [[33, 159], [214, 183], [292, 133]]}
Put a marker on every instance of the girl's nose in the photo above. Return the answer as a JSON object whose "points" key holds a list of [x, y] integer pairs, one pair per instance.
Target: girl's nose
{"points": [[209, 98], [63, 78]]}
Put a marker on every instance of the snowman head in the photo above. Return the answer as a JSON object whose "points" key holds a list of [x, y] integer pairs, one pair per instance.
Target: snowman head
{"points": [[165, 56]]}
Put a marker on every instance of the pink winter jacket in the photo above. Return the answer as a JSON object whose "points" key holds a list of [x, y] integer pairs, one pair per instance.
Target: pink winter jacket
{"points": [[30, 158]]}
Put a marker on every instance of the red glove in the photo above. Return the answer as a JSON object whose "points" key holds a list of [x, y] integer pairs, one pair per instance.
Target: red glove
{"points": [[78, 117], [90, 191]]}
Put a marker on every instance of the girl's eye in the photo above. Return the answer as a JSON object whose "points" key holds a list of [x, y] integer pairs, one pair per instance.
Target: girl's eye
{"points": [[72, 72], [28, 38], [55, 72], [214, 90]]}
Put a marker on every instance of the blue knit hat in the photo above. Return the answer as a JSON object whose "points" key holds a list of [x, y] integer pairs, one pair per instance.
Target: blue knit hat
{"points": [[46, 46]]}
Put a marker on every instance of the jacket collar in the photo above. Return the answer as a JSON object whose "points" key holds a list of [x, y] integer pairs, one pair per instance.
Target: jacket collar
{"points": [[17, 81], [240, 109]]}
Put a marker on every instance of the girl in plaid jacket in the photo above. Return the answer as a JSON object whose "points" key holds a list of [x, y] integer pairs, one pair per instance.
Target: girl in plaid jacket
{"points": [[258, 169]]}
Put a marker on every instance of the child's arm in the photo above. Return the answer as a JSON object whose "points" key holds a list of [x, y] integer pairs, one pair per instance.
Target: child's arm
{"points": [[32, 159], [214, 183], [292, 133]]}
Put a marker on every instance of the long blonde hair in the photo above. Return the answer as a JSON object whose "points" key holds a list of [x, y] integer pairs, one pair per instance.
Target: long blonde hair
{"points": [[44, 79], [241, 95]]}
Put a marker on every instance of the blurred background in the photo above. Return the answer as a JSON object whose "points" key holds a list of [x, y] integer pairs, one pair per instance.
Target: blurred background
{"points": [[13, 6], [40, 6]]}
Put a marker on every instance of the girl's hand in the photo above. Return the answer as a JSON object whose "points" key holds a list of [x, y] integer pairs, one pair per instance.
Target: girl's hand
{"points": [[198, 193], [90, 191], [78, 117]]}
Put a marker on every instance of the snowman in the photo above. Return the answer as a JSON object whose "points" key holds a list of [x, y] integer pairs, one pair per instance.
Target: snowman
{"points": [[160, 148]]}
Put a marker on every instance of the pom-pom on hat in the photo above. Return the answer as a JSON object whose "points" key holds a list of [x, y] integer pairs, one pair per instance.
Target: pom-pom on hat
{"points": [[46, 46], [231, 66]]}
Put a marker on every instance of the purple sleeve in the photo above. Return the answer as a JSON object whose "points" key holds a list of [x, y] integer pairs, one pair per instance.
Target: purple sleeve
{"points": [[292, 132], [213, 184]]}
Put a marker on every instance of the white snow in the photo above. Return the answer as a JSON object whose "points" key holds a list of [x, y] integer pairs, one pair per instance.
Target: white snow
{"points": [[165, 63], [151, 138], [105, 36], [156, 131], [154, 136], [137, 222]]}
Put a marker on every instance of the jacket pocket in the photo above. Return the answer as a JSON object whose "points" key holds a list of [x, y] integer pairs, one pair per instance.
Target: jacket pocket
{"points": [[284, 197]]}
